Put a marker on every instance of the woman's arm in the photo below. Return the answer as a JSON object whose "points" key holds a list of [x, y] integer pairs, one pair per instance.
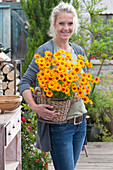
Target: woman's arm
{"points": [[40, 109]]}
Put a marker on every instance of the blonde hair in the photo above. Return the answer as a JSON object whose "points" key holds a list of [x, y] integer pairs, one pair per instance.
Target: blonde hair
{"points": [[62, 7]]}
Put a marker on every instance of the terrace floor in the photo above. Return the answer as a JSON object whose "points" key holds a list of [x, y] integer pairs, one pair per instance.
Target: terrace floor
{"points": [[100, 157]]}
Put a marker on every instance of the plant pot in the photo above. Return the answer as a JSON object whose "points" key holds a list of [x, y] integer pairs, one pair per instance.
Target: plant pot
{"points": [[92, 132]]}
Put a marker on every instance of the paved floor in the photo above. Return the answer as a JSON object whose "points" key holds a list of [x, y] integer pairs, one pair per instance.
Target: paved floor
{"points": [[100, 157]]}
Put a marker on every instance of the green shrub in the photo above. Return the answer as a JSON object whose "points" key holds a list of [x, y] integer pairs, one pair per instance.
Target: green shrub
{"points": [[31, 157], [101, 112]]}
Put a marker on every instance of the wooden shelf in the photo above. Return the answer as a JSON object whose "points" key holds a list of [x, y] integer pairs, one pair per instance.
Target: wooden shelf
{"points": [[10, 140], [11, 165]]}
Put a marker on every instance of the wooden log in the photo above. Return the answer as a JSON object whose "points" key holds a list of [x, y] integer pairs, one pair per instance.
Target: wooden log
{"points": [[2, 77], [1, 73], [7, 68], [10, 75], [0, 66], [3, 64], [9, 92], [11, 86], [11, 83], [4, 57], [4, 85]]}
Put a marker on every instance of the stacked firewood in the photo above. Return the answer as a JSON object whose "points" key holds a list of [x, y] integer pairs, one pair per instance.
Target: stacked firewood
{"points": [[7, 75]]}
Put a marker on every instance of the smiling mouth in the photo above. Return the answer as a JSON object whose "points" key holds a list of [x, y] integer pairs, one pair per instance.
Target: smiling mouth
{"points": [[66, 33]]}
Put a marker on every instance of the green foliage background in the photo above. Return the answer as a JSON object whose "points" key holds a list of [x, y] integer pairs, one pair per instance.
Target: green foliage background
{"points": [[37, 13]]}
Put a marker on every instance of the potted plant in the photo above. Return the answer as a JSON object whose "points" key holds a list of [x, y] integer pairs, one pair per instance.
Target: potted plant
{"points": [[101, 112]]}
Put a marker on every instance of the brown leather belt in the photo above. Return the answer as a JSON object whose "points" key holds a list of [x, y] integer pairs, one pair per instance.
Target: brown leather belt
{"points": [[77, 120]]}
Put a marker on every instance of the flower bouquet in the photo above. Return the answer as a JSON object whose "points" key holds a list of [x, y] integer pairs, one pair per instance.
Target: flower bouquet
{"points": [[61, 81]]}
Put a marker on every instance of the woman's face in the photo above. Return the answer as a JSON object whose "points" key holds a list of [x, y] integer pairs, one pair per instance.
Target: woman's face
{"points": [[64, 25]]}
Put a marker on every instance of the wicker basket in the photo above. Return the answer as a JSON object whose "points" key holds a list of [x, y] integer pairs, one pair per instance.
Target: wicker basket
{"points": [[61, 106]]}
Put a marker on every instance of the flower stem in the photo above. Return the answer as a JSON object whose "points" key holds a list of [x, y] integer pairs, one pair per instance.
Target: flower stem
{"points": [[97, 75]]}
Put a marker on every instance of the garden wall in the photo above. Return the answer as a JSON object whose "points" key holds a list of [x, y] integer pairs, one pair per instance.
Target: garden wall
{"points": [[106, 68]]}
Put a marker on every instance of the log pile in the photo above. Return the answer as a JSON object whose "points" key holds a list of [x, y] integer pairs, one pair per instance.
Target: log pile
{"points": [[7, 75]]}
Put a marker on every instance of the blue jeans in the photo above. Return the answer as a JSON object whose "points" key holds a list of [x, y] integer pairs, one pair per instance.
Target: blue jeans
{"points": [[67, 141]]}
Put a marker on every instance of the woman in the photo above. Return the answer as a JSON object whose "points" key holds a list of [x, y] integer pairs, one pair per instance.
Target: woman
{"points": [[64, 141]]}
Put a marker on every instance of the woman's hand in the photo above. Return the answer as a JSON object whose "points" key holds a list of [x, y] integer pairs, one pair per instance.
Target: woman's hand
{"points": [[41, 109], [44, 111]]}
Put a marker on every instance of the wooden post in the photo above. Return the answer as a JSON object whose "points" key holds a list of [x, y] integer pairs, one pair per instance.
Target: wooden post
{"points": [[2, 142]]}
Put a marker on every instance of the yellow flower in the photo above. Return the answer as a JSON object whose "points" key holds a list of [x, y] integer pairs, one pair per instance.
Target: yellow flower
{"points": [[77, 69], [80, 93], [81, 62], [89, 87], [70, 78], [86, 60], [82, 87], [74, 88], [85, 99], [53, 72], [66, 65], [87, 83], [76, 78], [47, 64], [62, 63], [41, 74], [65, 79], [89, 76], [87, 91], [58, 87], [83, 80], [90, 64], [61, 51], [49, 93], [83, 74], [58, 58], [41, 60], [80, 56], [67, 90], [32, 89], [45, 88], [97, 79], [63, 89], [56, 78], [48, 58], [37, 56], [72, 73], [90, 102], [59, 75], [41, 66], [55, 62], [92, 81], [48, 53], [71, 65], [68, 56], [60, 68], [42, 83], [47, 71], [51, 85]]}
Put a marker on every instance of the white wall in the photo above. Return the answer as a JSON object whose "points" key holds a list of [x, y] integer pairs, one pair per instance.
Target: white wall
{"points": [[106, 68]]}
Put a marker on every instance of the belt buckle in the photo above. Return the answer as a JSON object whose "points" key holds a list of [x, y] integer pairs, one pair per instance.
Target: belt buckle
{"points": [[75, 122]]}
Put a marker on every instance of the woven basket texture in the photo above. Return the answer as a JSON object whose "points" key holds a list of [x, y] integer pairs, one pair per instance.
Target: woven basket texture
{"points": [[61, 106]]}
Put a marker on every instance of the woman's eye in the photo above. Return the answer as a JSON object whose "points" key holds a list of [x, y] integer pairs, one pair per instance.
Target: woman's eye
{"points": [[61, 23], [70, 23]]}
